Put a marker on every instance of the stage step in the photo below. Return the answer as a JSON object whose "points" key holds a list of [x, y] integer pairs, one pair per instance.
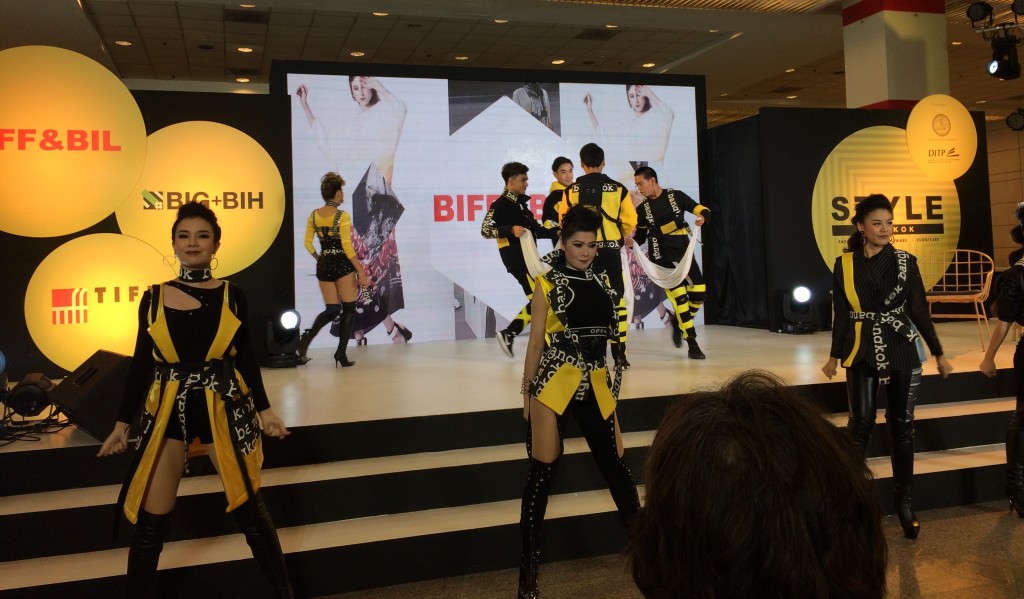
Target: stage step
{"points": [[363, 522]]}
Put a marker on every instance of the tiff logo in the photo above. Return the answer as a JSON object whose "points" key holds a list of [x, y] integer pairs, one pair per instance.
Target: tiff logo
{"points": [[69, 306]]}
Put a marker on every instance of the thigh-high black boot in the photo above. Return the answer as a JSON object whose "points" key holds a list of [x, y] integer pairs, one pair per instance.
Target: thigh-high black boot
{"points": [[348, 319], [321, 320], [902, 392], [861, 389], [254, 522], [144, 553], [535, 504], [600, 436]]}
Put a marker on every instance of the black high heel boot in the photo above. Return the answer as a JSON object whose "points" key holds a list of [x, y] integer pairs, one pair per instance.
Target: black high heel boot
{"points": [[535, 504], [144, 553], [908, 519], [322, 319], [348, 319], [255, 523], [902, 434], [529, 564], [1015, 471]]}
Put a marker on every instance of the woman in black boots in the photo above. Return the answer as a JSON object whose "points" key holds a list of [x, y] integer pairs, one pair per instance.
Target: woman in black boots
{"points": [[880, 313], [1010, 309], [570, 376], [195, 371], [336, 266]]}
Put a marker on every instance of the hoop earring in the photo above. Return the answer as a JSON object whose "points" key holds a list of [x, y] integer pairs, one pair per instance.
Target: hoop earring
{"points": [[214, 262]]}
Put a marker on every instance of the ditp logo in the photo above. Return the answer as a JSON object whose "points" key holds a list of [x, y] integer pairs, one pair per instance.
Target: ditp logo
{"points": [[69, 306], [85, 296], [228, 200], [926, 211], [215, 165]]}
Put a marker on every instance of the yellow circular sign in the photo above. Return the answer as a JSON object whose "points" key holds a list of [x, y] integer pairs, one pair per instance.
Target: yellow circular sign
{"points": [[219, 166], [926, 211], [72, 141], [85, 296], [941, 137]]}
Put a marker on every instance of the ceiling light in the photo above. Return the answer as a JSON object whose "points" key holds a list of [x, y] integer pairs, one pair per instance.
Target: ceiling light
{"points": [[242, 79], [610, 26], [647, 65], [501, 21], [357, 54], [712, 31], [724, 94], [1016, 120], [247, 5], [1004, 64], [791, 97], [461, 58], [558, 61], [244, 50], [790, 70], [958, 43], [981, 101], [123, 43], [979, 11], [380, 14]]}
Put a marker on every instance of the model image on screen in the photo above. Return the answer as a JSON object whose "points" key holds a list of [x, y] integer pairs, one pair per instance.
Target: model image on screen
{"points": [[643, 135], [371, 135], [534, 100]]}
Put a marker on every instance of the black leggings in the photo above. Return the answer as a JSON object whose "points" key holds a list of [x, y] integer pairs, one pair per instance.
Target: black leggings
{"points": [[901, 392]]}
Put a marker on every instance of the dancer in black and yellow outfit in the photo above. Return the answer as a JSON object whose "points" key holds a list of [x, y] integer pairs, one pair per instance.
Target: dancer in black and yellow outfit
{"points": [[570, 376], [507, 219], [336, 266], [880, 313], [661, 222], [561, 168], [195, 370], [610, 199]]}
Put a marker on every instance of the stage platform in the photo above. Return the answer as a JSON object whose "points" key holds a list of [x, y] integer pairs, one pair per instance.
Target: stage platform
{"points": [[409, 466]]}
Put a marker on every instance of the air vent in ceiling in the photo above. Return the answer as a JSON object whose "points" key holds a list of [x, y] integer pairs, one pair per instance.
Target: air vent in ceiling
{"points": [[597, 35], [246, 16]]}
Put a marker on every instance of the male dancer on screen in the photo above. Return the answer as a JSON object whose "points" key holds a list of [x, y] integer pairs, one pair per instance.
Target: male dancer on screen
{"points": [[610, 199], [507, 219], [562, 169], [661, 222]]}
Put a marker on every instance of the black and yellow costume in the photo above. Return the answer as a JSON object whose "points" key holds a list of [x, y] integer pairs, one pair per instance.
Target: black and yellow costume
{"points": [[506, 212], [880, 312], [549, 215], [661, 222], [1010, 308], [337, 259], [611, 199], [573, 378], [197, 375]]}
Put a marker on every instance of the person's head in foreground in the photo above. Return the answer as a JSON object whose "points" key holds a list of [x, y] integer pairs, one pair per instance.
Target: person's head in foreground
{"points": [[752, 493]]}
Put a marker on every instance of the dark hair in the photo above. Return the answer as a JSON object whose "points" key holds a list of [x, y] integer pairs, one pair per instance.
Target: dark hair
{"points": [[647, 101], [330, 183], [559, 162], [751, 492], [580, 218], [647, 173], [865, 207], [513, 169], [1019, 213], [591, 155], [196, 210], [374, 98]]}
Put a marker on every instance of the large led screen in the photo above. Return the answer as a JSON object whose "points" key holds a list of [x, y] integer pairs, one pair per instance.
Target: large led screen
{"points": [[422, 158]]}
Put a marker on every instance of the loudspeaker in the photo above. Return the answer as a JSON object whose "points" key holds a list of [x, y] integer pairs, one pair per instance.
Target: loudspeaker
{"points": [[91, 395]]}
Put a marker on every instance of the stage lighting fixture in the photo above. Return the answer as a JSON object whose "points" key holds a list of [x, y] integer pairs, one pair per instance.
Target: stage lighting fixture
{"points": [[1004, 64], [1016, 120], [1018, 8], [31, 396], [797, 312], [283, 340], [979, 11]]}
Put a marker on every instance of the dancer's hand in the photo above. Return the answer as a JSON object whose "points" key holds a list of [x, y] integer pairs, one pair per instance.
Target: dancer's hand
{"points": [[518, 231], [116, 442], [830, 367], [272, 425], [944, 366], [988, 367]]}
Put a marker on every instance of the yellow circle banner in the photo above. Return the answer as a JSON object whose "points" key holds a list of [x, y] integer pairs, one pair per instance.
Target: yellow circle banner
{"points": [[85, 295], [219, 166], [72, 141], [941, 137], [926, 211]]}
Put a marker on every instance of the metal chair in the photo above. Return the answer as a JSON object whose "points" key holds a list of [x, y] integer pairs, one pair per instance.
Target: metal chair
{"points": [[961, 277]]}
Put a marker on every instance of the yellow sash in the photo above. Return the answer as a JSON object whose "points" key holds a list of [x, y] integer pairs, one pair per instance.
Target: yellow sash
{"points": [[851, 296]]}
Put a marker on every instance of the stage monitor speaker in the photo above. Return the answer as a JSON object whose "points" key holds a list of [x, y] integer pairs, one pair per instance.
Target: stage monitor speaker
{"points": [[91, 395]]}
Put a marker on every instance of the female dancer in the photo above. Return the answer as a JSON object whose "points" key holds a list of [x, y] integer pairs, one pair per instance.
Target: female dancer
{"points": [[367, 141], [336, 266], [570, 376], [641, 139], [195, 370], [878, 300], [1010, 309]]}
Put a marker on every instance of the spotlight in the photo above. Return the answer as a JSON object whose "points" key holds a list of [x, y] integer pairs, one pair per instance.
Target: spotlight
{"points": [[31, 396], [1004, 63], [1016, 120], [798, 312], [283, 340], [979, 11]]}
